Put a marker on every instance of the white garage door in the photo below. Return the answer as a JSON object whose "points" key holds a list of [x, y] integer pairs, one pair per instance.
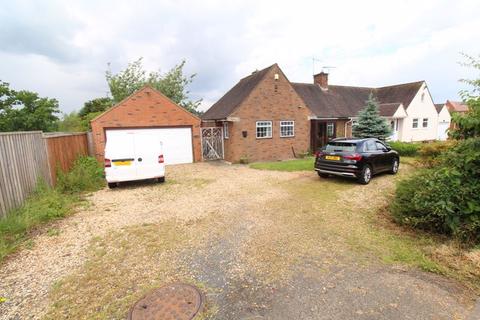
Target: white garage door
{"points": [[177, 142]]}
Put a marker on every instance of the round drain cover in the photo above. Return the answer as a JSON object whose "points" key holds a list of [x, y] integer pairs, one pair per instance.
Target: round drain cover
{"points": [[177, 301]]}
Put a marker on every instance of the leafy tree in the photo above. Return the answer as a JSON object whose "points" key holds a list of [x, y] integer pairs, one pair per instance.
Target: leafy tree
{"points": [[80, 121], [468, 124], [95, 106], [370, 124], [26, 111], [71, 122], [172, 84]]}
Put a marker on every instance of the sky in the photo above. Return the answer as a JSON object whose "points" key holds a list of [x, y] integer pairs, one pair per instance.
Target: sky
{"points": [[61, 49]]}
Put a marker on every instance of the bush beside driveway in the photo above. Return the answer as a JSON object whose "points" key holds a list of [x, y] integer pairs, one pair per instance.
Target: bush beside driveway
{"points": [[264, 244]]}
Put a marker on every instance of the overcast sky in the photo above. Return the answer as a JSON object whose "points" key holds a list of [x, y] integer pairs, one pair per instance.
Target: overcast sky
{"points": [[60, 49]]}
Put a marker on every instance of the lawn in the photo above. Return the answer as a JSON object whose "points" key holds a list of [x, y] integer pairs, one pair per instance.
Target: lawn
{"points": [[305, 164]]}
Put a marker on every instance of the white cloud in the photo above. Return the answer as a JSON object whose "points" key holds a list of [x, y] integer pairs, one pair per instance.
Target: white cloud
{"points": [[64, 51]]}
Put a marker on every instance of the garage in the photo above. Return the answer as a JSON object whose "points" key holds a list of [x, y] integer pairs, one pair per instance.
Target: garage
{"points": [[176, 142], [149, 111]]}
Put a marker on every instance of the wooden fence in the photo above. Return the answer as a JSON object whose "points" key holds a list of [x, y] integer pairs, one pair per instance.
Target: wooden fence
{"points": [[23, 161], [63, 150], [27, 157]]}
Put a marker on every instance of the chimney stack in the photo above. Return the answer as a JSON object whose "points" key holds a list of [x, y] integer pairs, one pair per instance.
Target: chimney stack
{"points": [[321, 79]]}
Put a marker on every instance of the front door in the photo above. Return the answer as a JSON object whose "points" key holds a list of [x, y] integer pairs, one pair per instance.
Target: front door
{"points": [[321, 133]]}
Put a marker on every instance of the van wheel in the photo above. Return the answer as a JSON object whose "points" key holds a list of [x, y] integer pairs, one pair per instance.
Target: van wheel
{"points": [[365, 175], [112, 185], [161, 179]]}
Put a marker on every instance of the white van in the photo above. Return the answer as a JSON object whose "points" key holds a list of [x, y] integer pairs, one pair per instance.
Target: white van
{"points": [[133, 155]]}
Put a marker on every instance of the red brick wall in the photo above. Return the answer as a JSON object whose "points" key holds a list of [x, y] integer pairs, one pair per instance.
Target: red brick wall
{"points": [[145, 108], [272, 100]]}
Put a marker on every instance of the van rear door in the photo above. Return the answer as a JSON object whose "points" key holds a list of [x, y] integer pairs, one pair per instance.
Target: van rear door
{"points": [[148, 149], [120, 149]]}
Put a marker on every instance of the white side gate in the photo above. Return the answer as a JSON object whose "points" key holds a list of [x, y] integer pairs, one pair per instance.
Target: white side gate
{"points": [[212, 143]]}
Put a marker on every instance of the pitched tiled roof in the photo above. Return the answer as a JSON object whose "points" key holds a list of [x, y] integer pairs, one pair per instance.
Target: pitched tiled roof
{"points": [[344, 101], [388, 109], [233, 98], [439, 106], [456, 106], [336, 102]]}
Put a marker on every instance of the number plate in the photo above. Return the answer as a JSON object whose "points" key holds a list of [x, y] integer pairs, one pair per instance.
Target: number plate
{"points": [[332, 158], [122, 163]]}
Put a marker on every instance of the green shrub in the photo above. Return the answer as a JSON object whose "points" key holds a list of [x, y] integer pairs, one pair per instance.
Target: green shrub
{"points": [[430, 152], [86, 175], [446, 198], [43, 205], [408, 149]]}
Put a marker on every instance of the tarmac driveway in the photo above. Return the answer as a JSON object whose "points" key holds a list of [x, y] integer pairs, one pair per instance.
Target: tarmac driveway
{"points": [[260, 244]]}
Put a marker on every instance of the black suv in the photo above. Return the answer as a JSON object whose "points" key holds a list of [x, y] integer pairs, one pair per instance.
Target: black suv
{"points": [[357, 158]]}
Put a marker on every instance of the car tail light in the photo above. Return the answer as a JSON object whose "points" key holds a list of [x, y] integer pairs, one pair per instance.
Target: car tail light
{"points": [[319, 154], [355, 156], [108, 163], [160, 159]]}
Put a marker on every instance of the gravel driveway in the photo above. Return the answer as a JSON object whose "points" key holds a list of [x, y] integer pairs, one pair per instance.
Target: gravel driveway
{"points": [[261, 244]]}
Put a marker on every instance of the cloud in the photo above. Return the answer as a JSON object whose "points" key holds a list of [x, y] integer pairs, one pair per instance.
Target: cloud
{"points": [[61, 49]]}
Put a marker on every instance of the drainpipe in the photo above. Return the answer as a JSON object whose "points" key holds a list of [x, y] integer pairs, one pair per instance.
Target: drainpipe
{"points": [[346, 125]]}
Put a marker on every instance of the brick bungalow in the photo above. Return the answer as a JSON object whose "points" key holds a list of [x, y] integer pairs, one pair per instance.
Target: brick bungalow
{"points": [[267, 117]]}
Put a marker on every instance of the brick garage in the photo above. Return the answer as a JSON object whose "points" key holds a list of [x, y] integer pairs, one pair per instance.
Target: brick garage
{"points": [[146, 108]]}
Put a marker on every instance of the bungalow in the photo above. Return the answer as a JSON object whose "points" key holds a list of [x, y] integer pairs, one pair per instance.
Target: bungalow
{"points": [[265, 116]]}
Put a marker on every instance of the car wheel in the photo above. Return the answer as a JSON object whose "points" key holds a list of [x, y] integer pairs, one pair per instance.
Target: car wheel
{"points": [[112, 185], [161, 179], [323, 175], [395, 166], [365, 175]]}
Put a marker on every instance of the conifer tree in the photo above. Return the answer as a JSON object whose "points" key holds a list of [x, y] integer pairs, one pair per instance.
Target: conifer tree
{"points": [[370, 124]]}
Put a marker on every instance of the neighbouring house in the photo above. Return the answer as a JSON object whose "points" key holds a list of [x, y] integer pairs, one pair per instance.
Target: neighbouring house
{"points": [[455, 107], [444, 121], [148, 109], [267, 117]]}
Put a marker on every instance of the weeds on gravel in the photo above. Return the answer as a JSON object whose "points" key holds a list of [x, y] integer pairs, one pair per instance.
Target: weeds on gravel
{"points": [[121, 268], [47, 204]]}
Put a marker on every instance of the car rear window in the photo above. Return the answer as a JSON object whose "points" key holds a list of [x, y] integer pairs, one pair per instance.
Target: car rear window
{"points": [[341, 146]]}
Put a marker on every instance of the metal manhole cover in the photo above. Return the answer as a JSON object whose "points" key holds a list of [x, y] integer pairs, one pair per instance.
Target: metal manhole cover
{"points": [[177, 301]]}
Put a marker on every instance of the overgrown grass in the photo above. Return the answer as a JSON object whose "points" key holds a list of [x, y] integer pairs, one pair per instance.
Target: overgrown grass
{"points": [[44, 205], [47, 204], [305, 164]]}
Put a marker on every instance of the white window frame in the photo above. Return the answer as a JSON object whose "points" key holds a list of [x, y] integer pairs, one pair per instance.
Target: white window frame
{"points": [[423, 123], [331, 125], [287, 124], [415, 121], [226, 134], [264, 124]]}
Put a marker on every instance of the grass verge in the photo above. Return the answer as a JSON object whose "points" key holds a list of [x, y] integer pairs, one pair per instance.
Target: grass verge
{"points": [[47, 204], [44, 205], [305, 164]]}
